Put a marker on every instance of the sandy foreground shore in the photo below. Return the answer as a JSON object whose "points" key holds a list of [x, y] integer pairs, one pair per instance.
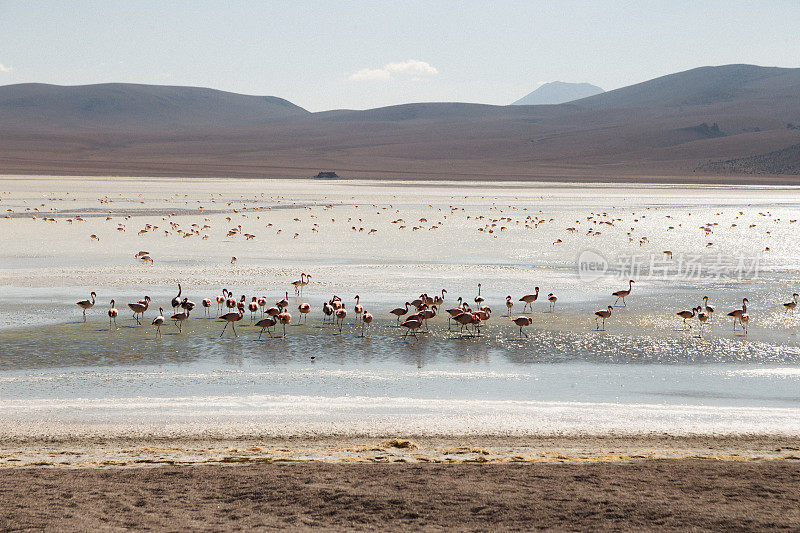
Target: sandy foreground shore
{"points": [[665, 494], [626, 482]]}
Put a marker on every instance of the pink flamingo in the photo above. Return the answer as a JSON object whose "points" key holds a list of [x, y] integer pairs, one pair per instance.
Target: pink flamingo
{"points": [[232, 318], [157, 321], [112, 314], [529, 299], [87, 304], [139, 308], [366, 320], [304, 309], [400, 311], [358, 309], [602, 313], [252, 307], [340, 316], [522, 321], [264, 323], [284, 318]]}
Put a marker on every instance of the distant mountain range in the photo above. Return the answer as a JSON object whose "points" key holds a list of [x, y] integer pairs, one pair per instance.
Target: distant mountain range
{"points": [[141, 107], [558, 92], [729, 120]]}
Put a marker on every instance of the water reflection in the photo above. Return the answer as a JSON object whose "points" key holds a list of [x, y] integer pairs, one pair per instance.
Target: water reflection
{"points": [[95, 345]]}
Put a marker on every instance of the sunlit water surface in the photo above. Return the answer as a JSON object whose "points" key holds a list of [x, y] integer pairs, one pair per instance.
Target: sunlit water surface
{"points": [[645, 372]]}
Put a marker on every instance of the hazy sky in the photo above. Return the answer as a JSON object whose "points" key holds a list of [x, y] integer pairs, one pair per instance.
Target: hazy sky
{"points": [[339, 54]]}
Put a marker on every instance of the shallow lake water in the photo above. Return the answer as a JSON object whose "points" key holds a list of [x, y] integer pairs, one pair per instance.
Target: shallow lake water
{"points": [[645, 372]]}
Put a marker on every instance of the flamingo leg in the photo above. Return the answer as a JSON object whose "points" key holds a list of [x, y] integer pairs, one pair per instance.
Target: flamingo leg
{"points": [[223, 329]]}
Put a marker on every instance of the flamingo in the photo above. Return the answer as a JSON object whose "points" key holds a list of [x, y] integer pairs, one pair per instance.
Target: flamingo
{"points": [[264, 323], [177, 300], [179, 318], [230, 301], [284, 303], [623, 294], [552, 298], [157, 321], [298, 284], [411, 324], [791, 305], [232, 318], [455, 311], [253, 307], [737, 313], [358, 309], [479, 299], [262, 303], [139, 308], [340, 316], [400, 311], [465, 318], [284, 318], [708, 309], [744, 319], [428, 314], [703, 317], [522, 321], [529, 299], [87, 304], [308, 277], [206, 305], [187, 305], [482, 316], [686, 314], [112, 314], [366, 320], [438, 301], [509, 305], [327, 311], [304, 309], [221, 299], [602, 313]]}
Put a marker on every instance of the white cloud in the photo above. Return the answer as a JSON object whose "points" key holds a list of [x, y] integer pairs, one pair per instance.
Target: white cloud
{"points": [[410, 68], [4, 68], [371, 74]]}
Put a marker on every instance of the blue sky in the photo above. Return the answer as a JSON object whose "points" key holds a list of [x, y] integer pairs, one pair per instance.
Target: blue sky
{"points": [[331, 55]]}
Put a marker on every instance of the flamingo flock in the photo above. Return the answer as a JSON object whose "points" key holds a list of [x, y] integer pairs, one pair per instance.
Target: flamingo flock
{"points": [[413, 316]]}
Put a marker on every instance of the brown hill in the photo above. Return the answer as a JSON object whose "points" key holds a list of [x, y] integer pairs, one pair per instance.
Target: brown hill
{"points": [[126, 106], [667, 126], [703, 86], [786, 161]]}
